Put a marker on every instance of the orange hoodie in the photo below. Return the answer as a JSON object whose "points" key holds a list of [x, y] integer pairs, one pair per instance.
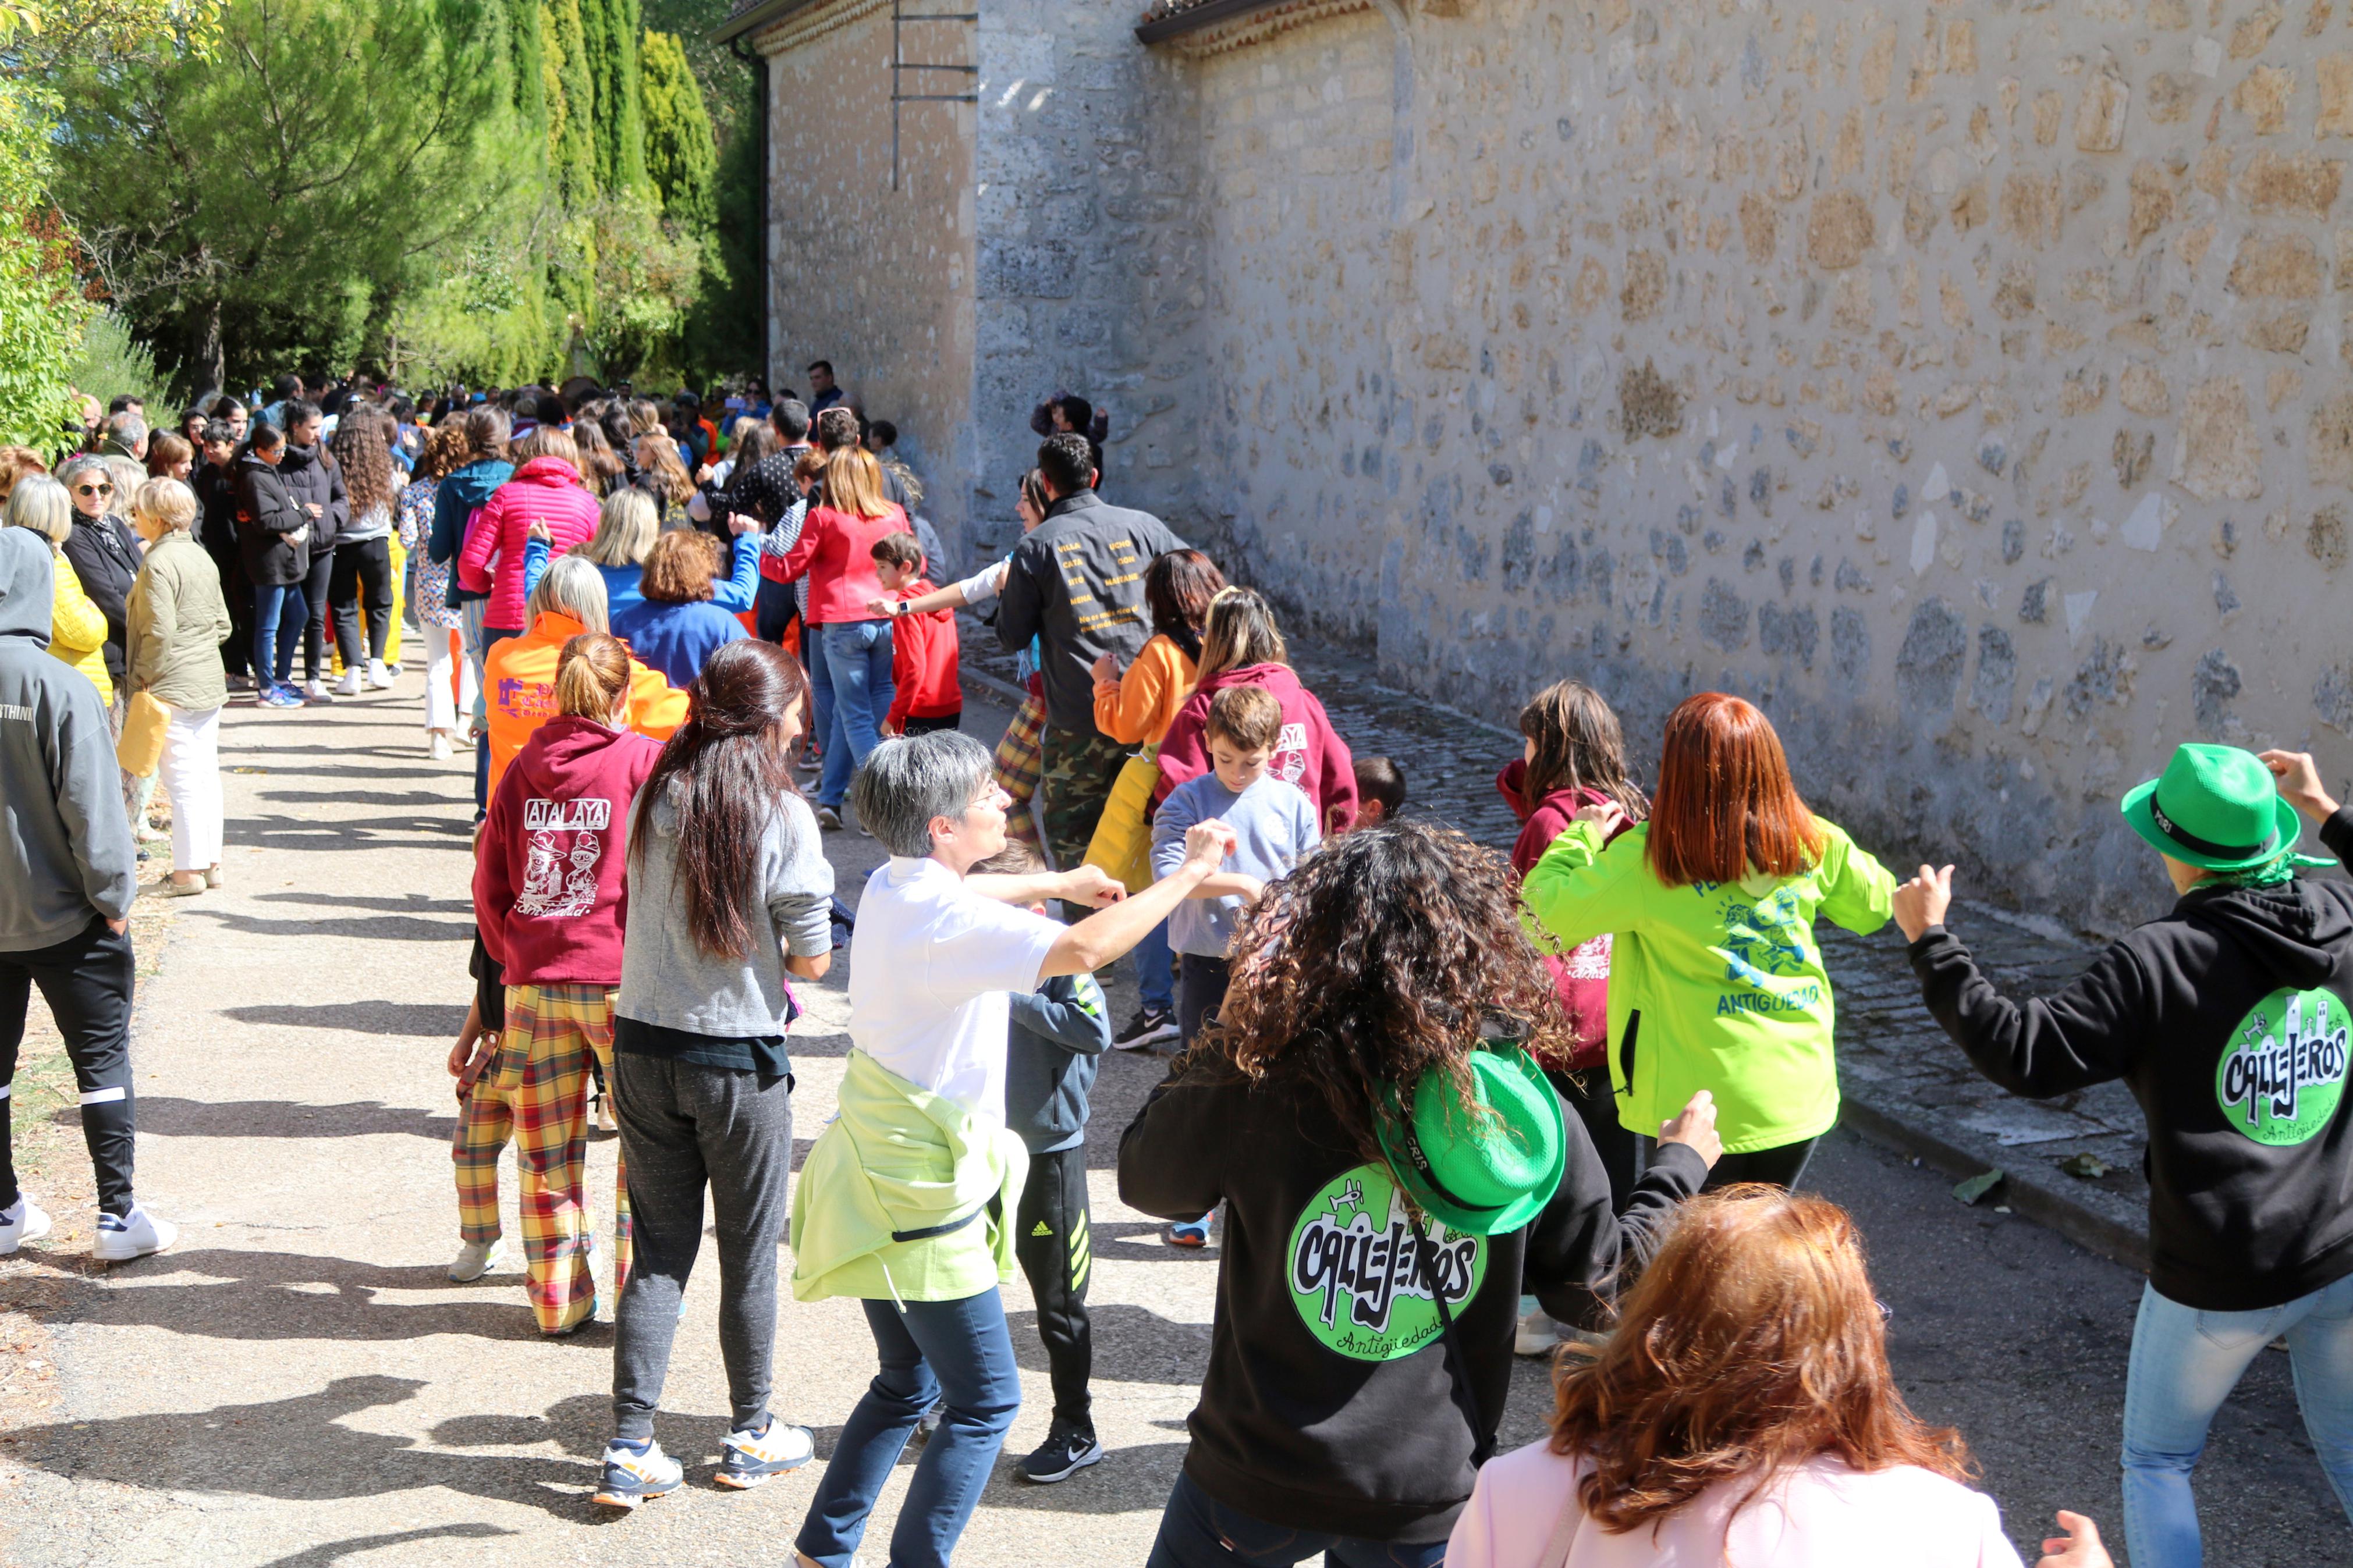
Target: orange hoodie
{"points": [[1138, 706], [518, 689]]}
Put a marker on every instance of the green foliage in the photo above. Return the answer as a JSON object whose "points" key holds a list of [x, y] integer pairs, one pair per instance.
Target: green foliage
{"points": [[680, 157], [42, 317], [609, 30], [267, 207], [647, 275], [570, 94], [726, 84], [113, 361]]}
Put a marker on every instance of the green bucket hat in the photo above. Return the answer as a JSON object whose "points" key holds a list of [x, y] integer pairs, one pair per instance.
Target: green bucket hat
{"points": [[1479, 1173], [2216, 807]]}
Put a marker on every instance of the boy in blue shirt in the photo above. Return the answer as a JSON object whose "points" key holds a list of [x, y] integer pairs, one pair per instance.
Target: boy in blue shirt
{"points": [[1059, 1035], [1275, 826]]}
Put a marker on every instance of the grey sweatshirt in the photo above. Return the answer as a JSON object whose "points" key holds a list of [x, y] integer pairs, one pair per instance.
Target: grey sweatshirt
{"points": [[666, 977], [65, 844]]}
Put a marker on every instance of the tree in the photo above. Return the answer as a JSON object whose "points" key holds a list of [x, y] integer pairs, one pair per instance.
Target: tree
{"points": [[298, 185], [680, 156], [610, 29]]}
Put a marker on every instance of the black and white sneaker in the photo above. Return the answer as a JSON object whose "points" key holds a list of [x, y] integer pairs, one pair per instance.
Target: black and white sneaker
{"points": [[1067, 1450], [1149, 1025], [828, 819], [751, 1458]]}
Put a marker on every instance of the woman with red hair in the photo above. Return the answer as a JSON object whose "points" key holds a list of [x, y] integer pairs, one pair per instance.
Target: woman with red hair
{"points": [[1744, 1412], [1716, 980]]}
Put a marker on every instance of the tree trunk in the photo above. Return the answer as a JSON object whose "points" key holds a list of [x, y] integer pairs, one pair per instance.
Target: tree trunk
{"points": [[209, 353]]}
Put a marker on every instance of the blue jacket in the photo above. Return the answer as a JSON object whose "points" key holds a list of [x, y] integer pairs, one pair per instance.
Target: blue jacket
{"points": [[1058, 1035], [676, 640], [462, 492]]}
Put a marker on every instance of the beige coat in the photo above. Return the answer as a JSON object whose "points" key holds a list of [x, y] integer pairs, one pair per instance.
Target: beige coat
{"points": [[175, 620]]}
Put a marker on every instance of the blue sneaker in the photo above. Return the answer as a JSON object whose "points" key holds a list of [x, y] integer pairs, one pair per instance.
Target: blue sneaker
{"points": [[1187, 1232], [279, 696], [634, 1473], [751, 1458]]}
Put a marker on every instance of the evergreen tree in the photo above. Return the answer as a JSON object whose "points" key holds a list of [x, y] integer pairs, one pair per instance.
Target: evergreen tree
{"points": [[680, 157], [571, 97], [610, 30]]}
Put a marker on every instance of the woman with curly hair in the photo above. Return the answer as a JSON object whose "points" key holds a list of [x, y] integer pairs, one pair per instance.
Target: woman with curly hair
{"points": [[1393, 1164], [1744, 1412]]}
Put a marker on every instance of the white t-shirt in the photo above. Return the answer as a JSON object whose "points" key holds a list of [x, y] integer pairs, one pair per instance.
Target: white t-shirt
{"points": [[1821, 1515], [929, 969]]}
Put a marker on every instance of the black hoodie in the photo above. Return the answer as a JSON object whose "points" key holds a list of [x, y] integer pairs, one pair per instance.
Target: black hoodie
{"points": [[1329, 1405], [2230, 1020], [313, 477]]}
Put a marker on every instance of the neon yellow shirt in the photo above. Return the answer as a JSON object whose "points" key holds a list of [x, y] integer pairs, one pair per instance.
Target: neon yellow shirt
{"points": [[1725, 977]]}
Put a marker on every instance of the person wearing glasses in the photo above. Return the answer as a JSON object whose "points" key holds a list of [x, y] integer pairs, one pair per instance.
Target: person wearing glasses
{"points": [[105, 555]]}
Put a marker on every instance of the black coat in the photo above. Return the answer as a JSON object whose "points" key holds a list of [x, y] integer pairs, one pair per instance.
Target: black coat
{"points": [[268, 515], [313, 477], [105, 556]]}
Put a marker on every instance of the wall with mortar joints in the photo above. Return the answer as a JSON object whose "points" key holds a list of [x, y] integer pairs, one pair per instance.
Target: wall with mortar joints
{"points": [[1969, 383], [878, 280], [1089, 250]]}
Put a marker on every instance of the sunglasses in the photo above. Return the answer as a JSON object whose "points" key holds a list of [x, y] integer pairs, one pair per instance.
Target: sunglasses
{"points": [[93, 489]]}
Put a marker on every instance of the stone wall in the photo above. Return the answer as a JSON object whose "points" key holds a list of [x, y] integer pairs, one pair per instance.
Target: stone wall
{"points": [[878, 280], [1967, 384]]}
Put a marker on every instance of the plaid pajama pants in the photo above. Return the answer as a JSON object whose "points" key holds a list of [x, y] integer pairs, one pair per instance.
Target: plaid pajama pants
{"points": [[1020, 759], [536, 1091]]}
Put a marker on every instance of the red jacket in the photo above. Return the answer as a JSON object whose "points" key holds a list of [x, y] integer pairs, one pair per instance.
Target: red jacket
{"points": [[923, 663], [545, 489], [836, 551], [548, 889], [1307, 753], [1581, 975]]}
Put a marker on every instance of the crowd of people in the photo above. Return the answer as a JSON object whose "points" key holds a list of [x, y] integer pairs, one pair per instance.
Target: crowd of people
{"points": [[1452, 1103]]}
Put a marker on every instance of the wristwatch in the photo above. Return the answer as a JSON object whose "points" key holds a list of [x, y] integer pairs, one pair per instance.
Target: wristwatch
{"points": [[898, 609]]}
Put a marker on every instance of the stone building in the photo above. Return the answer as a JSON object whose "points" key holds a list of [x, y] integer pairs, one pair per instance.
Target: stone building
{"points": [[1967, 383]]}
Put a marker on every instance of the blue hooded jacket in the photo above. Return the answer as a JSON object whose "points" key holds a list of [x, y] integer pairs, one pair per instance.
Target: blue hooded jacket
{"points": [[462, 492]]}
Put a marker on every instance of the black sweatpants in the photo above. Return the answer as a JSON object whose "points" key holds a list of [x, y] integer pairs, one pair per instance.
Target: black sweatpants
{"points": [[363, 579], [1783, 1165], [315, 600], [1056, 1247], [1592, 1101], [86, 980]]}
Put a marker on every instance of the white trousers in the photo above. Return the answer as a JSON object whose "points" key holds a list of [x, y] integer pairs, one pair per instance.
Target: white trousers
{"points": [[190, 773], [445, 703]]}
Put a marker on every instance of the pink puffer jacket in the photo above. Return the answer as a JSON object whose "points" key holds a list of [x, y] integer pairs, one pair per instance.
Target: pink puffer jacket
{"points": [[545, 489]]}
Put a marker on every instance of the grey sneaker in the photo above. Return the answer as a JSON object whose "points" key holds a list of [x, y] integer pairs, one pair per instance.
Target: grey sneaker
{"points": [[475, 1259]]}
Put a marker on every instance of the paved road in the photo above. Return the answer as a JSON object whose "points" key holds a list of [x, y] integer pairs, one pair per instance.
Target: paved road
{"points": [[298, 1384]]}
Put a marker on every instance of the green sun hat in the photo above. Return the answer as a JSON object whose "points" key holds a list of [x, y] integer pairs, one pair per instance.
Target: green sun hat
{"points": [[1487, 1170], [2215, 807]]}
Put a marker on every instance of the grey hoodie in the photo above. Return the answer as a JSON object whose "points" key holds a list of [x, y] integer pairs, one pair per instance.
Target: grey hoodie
{"points": [[65, 844]]}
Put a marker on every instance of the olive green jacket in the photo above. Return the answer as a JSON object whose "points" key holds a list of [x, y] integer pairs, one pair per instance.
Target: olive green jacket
{"points": [[175, 620]]}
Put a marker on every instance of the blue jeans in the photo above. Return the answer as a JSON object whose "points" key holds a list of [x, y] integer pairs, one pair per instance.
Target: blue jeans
{"points": [[1155, 971], [853, 701], [927, 1348], [2184, 1364], [1197, 1531], [277, 615]]}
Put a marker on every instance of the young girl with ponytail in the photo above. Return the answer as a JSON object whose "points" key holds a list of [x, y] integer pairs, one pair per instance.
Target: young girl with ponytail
{"points": [[548, 900]]}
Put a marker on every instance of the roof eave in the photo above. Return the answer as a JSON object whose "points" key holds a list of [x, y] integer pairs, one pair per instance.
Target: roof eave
{"points": [[1193, 18], [757, 17]]}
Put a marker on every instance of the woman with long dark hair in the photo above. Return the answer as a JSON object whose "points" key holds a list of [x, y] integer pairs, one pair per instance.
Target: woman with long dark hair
{"points": [[1393, 1165], [362, 573], [730, 899], [1716, 979], [1744, 1412]]}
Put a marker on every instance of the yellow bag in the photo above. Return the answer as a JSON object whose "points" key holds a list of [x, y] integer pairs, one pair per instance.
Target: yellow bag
{"points": [[1123, 842], [142, 746]]}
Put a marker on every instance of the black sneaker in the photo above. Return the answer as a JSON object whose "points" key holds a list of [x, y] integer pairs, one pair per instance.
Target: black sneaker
{"points": [[1067, 1450], [828, 819], [1150, 1024]]}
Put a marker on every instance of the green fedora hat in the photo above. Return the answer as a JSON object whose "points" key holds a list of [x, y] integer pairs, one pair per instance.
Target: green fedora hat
{"points": [[1487, 1169], [2216, 807]]}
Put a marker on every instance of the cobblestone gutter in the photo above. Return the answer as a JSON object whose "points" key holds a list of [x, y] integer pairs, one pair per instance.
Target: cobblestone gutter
{"points": [[1903, 1083]]}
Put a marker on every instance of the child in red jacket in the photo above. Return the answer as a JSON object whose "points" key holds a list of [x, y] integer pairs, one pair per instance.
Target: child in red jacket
{"points": [[926, 695], [549, 901]]}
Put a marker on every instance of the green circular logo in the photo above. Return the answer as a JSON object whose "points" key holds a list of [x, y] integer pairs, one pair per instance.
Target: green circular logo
{"points": [[2284, 1072], [1358, 1277]]}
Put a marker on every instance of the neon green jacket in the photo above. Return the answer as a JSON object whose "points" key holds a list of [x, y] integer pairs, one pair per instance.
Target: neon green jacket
{"points": [[1727, 979], [895, 1199]]}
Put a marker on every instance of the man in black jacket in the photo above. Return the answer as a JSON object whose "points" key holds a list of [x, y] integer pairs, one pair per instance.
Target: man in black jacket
{"points": [[104, 552], [1076, 583], [313, 477], [273, 539], [2231, 1019]]}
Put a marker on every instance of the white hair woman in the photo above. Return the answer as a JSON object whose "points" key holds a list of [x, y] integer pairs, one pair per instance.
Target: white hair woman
{"points": [[176, 619], [76, 626]]}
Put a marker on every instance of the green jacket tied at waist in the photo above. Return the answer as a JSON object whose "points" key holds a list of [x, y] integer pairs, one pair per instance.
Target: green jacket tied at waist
{"points": [[905, 1196]]}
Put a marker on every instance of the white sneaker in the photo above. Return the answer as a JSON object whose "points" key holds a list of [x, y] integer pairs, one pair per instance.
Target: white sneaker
{"points": [[349, 686], [1538, 1334], [439, 748], [134, 1235], [475, 1259], [378, 677], [751, 1458], [605, 1122], [24, 1222], [629, 1477], [316, 691]]}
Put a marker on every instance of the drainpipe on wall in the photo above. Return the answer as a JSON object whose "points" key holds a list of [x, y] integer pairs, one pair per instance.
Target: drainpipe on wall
{"points": [[764, 79]]}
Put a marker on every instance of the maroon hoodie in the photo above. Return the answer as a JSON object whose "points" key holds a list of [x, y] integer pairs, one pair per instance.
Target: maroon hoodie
{"points": [[548, 890], [1307, 753], [1581, 974]]}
